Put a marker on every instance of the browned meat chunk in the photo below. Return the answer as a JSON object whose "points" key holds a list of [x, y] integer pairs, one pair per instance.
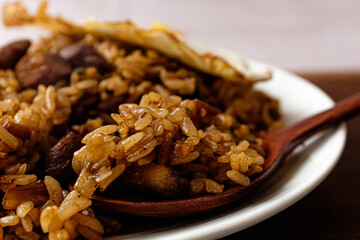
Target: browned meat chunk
{"points": [[12, 52], [156, 179], [18, 130], [205, 109], [41, 68], [35, 192], [81, 54], [204, 113], [5, 148], [58, 161]]}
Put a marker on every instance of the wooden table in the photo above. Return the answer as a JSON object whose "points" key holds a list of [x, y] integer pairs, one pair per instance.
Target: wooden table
{"points": [[332, 210]]}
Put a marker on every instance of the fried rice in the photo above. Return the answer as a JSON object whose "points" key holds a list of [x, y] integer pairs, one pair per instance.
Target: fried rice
{"points": [[135, 117]]}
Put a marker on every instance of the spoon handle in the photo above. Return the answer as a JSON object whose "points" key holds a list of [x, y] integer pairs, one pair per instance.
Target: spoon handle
{"points": [[343, 110], [283, 141]]}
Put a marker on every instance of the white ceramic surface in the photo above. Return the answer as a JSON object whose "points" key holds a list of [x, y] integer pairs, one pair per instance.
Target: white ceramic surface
{"points": [[305, 169]]}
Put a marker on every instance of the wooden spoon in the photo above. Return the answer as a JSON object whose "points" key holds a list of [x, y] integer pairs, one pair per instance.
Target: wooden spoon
{"points": [[278, 145]]}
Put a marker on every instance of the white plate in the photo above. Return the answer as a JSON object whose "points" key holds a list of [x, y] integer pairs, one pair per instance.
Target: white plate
{"points": [[305, 169], [300, 174]]}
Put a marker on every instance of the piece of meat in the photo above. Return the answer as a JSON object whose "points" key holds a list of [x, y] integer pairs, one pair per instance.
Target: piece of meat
{"points": [[35, 192], [204, 113], [5, 148], [206, 109], [18, 130], [21, 131], [12, 52], [41, 68], [81, 54], [58, 161], [156, 180]]}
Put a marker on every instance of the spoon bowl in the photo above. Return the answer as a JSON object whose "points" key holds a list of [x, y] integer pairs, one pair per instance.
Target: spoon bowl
{"points": [[278, 144]]}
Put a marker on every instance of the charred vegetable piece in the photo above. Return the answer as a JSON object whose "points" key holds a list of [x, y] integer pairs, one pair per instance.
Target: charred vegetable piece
{"points": [[156, 179], [81, 54], [35, 192], [18, 130], [58, 161], [41, 68], [12, 52]]}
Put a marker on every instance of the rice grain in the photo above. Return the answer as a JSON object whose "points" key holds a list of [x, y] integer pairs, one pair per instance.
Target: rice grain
{"points": [[24, 208]]}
